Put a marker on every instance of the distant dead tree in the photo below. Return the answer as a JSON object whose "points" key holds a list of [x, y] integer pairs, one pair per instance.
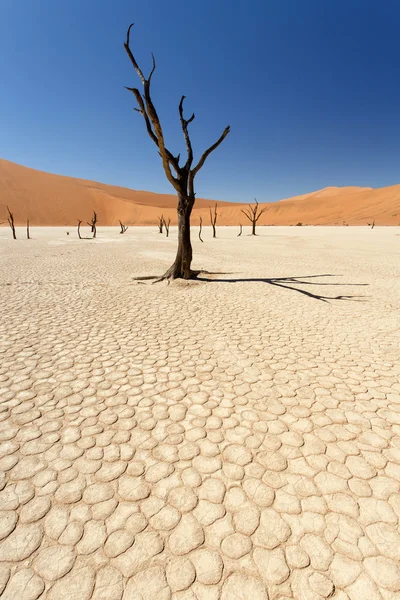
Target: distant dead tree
{"points": [[201, 227], [181, 177], [160, 224], [123, 227], [213, 218], [240, 232], [79, 229], [28, 237], [92, 224], [11, 223], [166, 225], [373, 225], [253, 213]]}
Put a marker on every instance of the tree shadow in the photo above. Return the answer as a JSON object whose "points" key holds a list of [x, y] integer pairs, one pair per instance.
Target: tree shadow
{"points": [[287, 283]]}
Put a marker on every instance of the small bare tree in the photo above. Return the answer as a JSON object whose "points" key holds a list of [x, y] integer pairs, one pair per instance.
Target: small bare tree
{"points": [[181, 177], [213, 218], [240, 232], [166, 225], [79, 229], [11, 223], [28, 237], [92, 224], [123, 227], [253, 213], [201, 227], [160, 224], [373, 225]]}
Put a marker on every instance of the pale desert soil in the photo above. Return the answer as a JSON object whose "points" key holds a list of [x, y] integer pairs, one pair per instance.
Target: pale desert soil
{"points": [[231, 439]]}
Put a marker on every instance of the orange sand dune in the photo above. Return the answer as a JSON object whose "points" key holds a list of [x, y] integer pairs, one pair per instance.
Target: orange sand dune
{"points": [[48, 199]]}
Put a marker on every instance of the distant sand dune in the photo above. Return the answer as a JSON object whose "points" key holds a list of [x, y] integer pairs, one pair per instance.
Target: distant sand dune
{"points": [[58, 200]]}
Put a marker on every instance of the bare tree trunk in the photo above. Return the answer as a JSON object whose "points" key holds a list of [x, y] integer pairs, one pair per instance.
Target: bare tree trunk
{"points": [[28, 237], [240, 232], [213, 218], [253, 228], [166, 225], [11, 223], [79, 229], [181, 266], [373, 225], [160, 223], [201, 227]]}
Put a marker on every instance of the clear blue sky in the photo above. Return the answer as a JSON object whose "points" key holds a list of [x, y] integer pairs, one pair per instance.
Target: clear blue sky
{"points": [[310, 88]]}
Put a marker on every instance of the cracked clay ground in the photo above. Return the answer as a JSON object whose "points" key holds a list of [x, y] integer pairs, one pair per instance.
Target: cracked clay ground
{"points": [[234, 440]]}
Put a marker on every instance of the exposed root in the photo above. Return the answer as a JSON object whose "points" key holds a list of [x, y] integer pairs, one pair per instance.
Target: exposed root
{"points": [[171, 275]]}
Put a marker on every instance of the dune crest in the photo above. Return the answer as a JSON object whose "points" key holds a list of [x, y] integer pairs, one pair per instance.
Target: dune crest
{"points": [[48, 199]]}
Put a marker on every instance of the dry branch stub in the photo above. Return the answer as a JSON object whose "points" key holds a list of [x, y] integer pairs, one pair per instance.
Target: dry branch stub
{"points": [[166, 225], [213, 219], [92, 224], [123, 227], [201, 227], [11, 223]]}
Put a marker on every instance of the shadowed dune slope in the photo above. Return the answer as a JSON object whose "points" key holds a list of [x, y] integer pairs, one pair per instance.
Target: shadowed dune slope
{"points": [[48, 199]]}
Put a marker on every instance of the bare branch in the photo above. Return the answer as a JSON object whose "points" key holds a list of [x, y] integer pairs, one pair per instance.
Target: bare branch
{"points": [[150, 115], [129, 52], [247, 214], [207, 153], [184, 124]]}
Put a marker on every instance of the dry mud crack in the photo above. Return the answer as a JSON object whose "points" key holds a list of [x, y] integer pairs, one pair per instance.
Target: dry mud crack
{"points": [[226, 440]]}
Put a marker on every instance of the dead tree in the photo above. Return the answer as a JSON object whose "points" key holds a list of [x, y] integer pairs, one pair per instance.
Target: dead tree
{"points": [[11, 223], [253, 213], [123, 227], [166, 225], [79, 229], [373, 225], [240, 232], [160, 223], [201, 227], [181, 177], [28, 237], [213, 218], [92, 224]]}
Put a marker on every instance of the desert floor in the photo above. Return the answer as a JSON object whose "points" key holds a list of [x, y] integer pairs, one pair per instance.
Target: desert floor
{"points": [[236, 438]]}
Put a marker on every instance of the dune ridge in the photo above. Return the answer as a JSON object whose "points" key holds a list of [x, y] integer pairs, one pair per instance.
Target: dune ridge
{"points": [[57, 200]]}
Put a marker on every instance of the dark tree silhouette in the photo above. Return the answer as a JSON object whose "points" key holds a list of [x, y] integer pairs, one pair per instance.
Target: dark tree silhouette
{"points": [[240, 232], [253, 213], [160, 223], [181, 177], [11, 223], [213, 218], [79, 229], [92, 224], [373, 225], [201, 227], [123, 227], [166, 225], [28, 237]]}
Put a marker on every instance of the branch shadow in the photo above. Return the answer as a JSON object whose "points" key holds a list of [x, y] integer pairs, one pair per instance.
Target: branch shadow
{"points": [[288, 282]]}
